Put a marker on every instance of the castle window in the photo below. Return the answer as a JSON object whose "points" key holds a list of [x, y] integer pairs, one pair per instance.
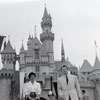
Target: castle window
{"points": [[71, 72], [5, 74], [2, 74], [36, 53], [37, 68], [9, 74], [7, 60]]}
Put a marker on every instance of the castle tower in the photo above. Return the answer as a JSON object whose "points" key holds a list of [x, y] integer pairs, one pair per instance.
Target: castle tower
{"points": [[22, 57], [62, 53], [47, 37], [8, 56], [9, 89]]}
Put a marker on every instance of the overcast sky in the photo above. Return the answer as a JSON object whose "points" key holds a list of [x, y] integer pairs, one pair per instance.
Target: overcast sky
{"points": [[77, 22]]}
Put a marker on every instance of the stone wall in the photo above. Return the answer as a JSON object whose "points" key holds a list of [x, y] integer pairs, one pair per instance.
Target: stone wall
{"points": [[5, 89]]}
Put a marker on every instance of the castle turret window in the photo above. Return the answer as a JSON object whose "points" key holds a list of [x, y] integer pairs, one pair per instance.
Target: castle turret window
{"points": [[36, 53]]}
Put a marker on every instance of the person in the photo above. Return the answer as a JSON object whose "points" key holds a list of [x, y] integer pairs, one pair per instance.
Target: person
{"points": [[85, 97], [68, 86], [51, 95], [32, 88]]}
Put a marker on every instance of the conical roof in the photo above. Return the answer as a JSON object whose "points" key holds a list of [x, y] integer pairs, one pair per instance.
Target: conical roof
{"points": [[36, 42], [45, 15], [22, 50], [96, 64], [8, 48], [62, 49], [86, 67]]}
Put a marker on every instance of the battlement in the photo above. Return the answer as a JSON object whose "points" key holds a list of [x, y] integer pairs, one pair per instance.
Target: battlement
{"points": [[47, 36], [4, 73], [37, 62]]}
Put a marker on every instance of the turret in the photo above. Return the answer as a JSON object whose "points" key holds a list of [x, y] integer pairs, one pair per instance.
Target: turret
{"points": [[22, 56], [47, 37], [46, 23], [8, 56]]}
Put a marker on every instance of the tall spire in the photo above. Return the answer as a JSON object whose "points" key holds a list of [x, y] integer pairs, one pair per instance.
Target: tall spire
{"points": [[62, 52], [46, 23], [22, 48], [45, 15]]}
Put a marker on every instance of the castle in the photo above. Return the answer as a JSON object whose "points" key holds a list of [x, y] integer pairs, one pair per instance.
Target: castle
{"points": [[39, 58]]}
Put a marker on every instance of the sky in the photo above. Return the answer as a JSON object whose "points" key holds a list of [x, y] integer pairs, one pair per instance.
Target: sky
{"points": [[77, 22]]}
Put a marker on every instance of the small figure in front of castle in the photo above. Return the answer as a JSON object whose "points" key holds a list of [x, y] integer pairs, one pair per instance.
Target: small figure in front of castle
{"points": [[32, 89], [85, 96], [51, 96]]}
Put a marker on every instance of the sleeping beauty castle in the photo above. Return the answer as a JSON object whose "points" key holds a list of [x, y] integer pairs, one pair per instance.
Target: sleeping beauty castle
{"points": [[39, 58]]}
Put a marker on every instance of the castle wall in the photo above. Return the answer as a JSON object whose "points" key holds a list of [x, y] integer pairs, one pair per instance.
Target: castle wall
{"points": [[97, 91], [90, 93], [43, 69], [5, 89], [8, 66], [28, 69]]}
